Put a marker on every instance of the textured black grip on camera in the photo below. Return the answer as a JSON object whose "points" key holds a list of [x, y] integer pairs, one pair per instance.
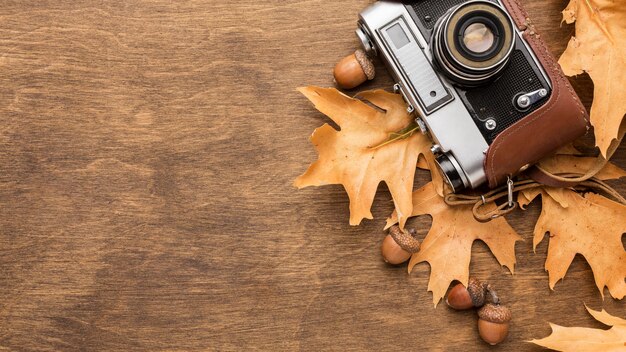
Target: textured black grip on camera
{"points": [[495, 100]]}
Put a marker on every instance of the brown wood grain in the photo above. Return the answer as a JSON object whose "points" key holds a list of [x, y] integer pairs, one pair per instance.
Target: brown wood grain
{"points": [[147, 152]]}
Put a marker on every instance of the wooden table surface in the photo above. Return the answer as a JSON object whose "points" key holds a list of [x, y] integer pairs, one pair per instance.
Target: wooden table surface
{"points": [[147, 154]]}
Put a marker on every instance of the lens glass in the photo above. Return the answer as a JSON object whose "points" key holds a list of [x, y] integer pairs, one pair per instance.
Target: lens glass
{"points": [[473, 42], [478, 38]]}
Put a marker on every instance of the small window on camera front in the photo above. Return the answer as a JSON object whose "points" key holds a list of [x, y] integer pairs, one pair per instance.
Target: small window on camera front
{"points": [[398, 36]]}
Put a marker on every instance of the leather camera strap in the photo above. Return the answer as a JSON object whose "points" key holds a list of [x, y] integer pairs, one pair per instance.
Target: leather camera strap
{"points": [[479, 202], [544, 177]]}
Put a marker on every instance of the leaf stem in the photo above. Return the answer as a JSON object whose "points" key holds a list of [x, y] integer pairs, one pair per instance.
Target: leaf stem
{"points": [[399, 135]]}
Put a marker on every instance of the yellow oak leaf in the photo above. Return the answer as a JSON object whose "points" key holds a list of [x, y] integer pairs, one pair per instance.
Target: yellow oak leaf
{"points": [[350, 156], [527, 196], [577, 339], [598, 48], [448, 245], [590, 225]]}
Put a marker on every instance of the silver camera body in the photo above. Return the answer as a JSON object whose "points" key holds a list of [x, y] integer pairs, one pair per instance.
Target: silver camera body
{"points": [[463, 104]]}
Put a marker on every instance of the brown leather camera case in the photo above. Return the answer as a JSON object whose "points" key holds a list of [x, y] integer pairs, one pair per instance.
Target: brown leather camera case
{"points": [[558, 122]]}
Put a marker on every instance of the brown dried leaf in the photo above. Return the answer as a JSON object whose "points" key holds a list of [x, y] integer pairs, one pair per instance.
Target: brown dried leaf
{"points": [[350, 157], [598, 49], [589, 225], [448, 245], [586, 339], [580, 224]]}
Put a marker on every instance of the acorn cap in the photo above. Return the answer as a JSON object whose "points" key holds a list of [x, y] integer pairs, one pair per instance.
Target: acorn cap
{"points": [[392, 253], [366, 64], [495, 313], [476, 291], [406, 240]]}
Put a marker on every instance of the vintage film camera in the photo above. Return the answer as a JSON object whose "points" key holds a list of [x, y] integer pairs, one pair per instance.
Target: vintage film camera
{"points": [[481, 83]]}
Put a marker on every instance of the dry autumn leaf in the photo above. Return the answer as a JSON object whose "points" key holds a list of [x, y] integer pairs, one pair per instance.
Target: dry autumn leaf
{"points": [[590, 225], [354, 156], [448, 245], [598, 49], [578, 339]]}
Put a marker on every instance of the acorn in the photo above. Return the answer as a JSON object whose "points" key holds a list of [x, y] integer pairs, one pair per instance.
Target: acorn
{"points": [[462, 298], [398, 245], [353, 70], [493, 323]]}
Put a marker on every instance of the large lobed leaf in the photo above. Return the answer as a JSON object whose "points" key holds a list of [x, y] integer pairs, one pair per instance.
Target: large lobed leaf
{"points": [[598, 49], [448, 245], [590, 225], [350, 156]]}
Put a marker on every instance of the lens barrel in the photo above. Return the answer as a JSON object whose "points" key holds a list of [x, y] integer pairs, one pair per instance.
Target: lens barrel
{"points": [[472, 42], [451, 172]]}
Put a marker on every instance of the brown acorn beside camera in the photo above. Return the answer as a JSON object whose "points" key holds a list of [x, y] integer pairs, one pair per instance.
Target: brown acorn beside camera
{"points": [[353, 70]]}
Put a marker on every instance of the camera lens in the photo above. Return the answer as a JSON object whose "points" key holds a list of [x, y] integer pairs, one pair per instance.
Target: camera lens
{"points": [[472, 42], [478, 38], [451, 172]]}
